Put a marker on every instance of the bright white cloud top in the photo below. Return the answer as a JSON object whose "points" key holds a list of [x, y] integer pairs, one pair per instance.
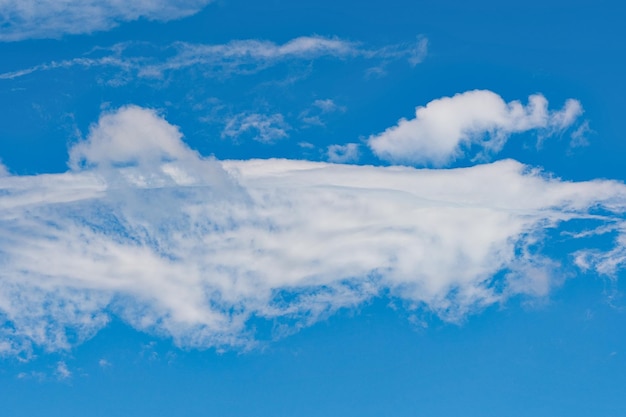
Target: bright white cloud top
{"points": [[144, 228], [27, 19], [443, 129]]}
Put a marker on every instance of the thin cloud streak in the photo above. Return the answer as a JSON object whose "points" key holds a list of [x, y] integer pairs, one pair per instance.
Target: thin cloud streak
{"points": [[262, 128], [238, 57]]}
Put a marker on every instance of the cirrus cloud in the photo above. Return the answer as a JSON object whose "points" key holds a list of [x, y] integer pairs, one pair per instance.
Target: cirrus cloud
{"points": [[237, 57], [28, 19]]}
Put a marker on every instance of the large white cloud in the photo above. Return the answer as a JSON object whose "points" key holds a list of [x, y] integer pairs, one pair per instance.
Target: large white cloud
{"points": [[192, 248], [27, 19], [445, 127]]}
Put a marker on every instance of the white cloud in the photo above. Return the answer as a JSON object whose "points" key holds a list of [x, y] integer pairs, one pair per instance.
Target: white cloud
{"points": [[4, 171], [130, 135], [306, 145], [609, 262], [327, 106], [414, 53], [191, 248], [238, 55], [263, 128], [343, 153], [62, 372], [242, 57], [248, 56], [418, 54], [444, 128], [579, 136], [28, 19], [38, 376], [313, 114]]}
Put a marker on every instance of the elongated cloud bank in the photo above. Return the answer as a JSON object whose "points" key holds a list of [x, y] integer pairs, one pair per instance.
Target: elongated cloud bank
{"points": [[144, 228], [27, 19], [444, 128]]}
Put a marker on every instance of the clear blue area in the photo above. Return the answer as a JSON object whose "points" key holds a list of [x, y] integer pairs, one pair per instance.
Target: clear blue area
{"points": [[562, 358]]}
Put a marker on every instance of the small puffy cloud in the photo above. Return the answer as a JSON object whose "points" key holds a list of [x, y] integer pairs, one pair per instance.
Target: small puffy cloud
{"points": [[343, 153], [196, 249], [129, 135], [444, 128], [261, 127], [28, 19]]}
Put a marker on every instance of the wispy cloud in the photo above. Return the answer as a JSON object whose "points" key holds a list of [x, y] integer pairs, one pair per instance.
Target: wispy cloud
{"points": [[343, 153], [260, 127], [320, 107], [62, 371], [144, 228], [28, 19], [419, 52], [605, 262], [579, 137], [327, 105], [415, 54], [445, 127], [235, 57]]}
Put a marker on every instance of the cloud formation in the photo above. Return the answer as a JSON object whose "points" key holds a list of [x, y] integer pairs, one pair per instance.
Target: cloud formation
{"points": [[262, 127], [443, 129], [191, 248], [343, 153], [35, 19], [62, 371], [313, 115], [241, 57]]}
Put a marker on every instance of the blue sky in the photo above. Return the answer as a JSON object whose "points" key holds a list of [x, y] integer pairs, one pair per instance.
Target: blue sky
{"points": [[312, 208]]}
